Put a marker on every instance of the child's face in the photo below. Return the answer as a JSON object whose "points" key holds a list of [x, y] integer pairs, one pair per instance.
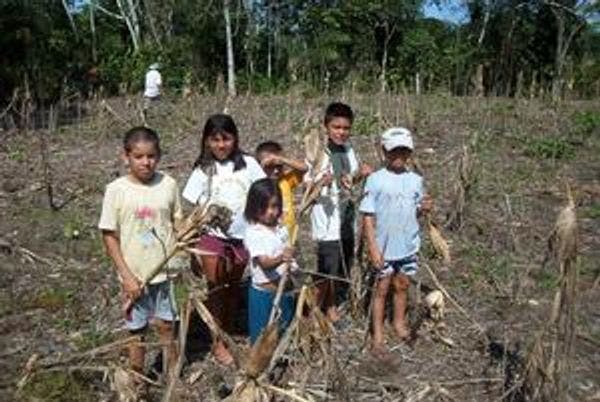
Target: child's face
{"points": [[338, 130], [221, 145], [271, 214], [142, 159], [271, 165], [397, 158]]}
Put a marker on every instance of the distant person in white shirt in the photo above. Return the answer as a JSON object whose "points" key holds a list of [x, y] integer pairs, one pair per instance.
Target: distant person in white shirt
{"points": [[152, 86]]}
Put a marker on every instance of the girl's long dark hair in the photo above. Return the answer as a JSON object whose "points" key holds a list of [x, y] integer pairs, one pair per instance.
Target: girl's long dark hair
{"points": [[219, 124], [259, 195]]}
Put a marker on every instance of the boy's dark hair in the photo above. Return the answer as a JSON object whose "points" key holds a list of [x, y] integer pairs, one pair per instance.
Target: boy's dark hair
{"points": [[140, 133], [219, 124], [338, 109], [269, 146], [261, 191]]}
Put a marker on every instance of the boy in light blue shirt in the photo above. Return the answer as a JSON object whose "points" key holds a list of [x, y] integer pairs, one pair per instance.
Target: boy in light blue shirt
{"points": [[393, 201]]}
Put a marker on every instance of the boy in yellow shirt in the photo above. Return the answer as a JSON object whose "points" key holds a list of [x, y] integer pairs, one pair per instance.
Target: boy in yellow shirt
{"points": [[287, 172]]}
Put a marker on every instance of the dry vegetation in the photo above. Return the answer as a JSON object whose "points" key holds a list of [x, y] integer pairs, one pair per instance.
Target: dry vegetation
{"points": [[520, 320]]}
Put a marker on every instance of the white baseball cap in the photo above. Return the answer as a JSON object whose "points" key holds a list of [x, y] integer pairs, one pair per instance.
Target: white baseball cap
{"points": [[154, 66], [397, 137]]}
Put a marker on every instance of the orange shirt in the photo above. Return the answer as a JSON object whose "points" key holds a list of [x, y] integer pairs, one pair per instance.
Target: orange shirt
{"points": [[288, 182]]}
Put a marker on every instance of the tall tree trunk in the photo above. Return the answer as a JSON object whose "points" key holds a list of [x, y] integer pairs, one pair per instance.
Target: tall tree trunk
{"points": [[93, 32], [564, 39], [269, 41], [129, 14], [230, 61], [486, 19], [384, 57], [71, 21], [417, 83]]}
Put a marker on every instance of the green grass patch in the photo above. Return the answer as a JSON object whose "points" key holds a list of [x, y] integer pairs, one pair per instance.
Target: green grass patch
{"points": [[92, 339], [365, 126], [586, 123], [52, 299], [593, 211], [547, 280], [56, 386], [549, 148]]}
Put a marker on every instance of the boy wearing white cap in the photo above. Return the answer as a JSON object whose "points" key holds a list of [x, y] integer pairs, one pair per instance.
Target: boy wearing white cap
{"points": [[393, 201]]}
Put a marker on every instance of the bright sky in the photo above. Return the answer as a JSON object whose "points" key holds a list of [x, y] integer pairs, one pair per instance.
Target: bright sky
{"points": [[451, 11]]}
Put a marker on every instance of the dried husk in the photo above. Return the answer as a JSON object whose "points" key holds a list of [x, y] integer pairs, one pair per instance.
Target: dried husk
{"points": [[262, 351], [440, 245]]}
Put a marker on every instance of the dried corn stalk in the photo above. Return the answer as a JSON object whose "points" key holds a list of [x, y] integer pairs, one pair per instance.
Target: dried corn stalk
{"points": [[202, 216], [315, 155], [546, 373]]}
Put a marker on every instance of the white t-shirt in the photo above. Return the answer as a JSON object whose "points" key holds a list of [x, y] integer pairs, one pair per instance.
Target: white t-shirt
{"points": [[153, 83], [261, 240], [227, 188], [325, 214]]}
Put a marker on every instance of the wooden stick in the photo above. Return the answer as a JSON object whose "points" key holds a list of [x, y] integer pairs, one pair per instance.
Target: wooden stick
{"points": [[282, 281], [290, 394], [176, 371], [216, 330]]}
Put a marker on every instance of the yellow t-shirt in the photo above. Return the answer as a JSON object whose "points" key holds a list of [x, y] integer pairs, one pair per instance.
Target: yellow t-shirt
{"points": [[143, 216], [287, 184]]}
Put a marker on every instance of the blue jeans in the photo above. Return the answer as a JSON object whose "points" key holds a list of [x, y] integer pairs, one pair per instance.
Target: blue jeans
{"points": [[260, 303], [155, 302]]}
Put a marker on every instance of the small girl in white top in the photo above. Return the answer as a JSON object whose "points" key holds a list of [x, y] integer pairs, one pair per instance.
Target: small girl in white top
{"points": [[222, 175], [267, 241]]}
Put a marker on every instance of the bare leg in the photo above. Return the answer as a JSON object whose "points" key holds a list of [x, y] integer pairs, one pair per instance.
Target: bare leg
{"points": [[381, 291], [137, 354], [401, 284], [332, 311], [214, 272], [232, 295]]}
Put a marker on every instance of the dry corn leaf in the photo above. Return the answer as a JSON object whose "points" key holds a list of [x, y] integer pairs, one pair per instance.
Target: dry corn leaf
{"points": [[563, 240], [313, 148], [124, 385], [262, 351], [440, 245]]}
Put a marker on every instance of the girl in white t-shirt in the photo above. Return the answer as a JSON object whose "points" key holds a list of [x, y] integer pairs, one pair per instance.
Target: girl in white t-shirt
{"points": [[222, 175], [267, 241]]}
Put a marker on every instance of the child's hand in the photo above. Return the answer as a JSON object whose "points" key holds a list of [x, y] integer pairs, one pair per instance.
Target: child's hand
{"points": [[365, 170], [132, 287], [426, 205], [327, 179], [288, 254], [346, 181]]}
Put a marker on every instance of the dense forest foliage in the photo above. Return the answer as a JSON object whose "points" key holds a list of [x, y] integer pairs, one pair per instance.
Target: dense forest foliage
{"points": [[53, 48]]}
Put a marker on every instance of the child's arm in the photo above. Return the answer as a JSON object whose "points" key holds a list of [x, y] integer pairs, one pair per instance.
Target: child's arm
{"points": [[296, 165], [375, 254], [131, 285], [426, 206], [268, 263]]}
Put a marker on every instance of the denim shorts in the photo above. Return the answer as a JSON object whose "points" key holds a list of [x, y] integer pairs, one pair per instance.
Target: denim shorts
{"points": [[407, 266], [155, 302]]}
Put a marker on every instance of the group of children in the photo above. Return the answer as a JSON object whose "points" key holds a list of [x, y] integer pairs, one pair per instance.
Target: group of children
{"points": [[141, 209]]}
